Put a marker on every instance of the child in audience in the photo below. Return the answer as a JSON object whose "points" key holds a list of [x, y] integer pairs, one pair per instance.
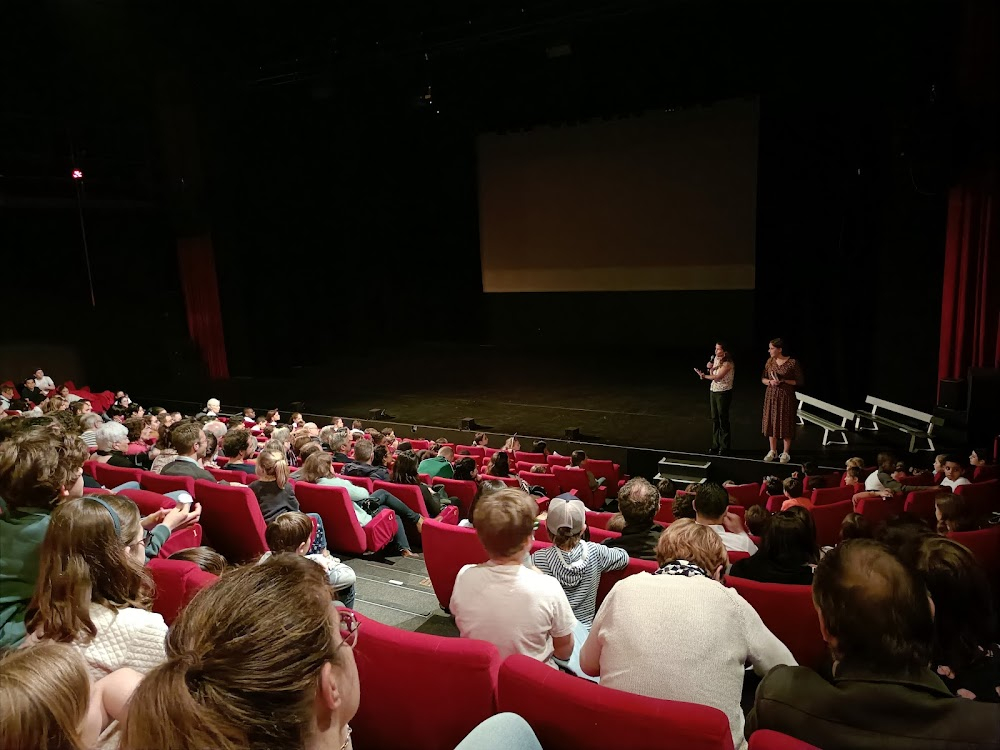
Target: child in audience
{"points": [[49, 701], [982, 469], [486, 487], [499, 465], [481, 439], [953, 514], [683, 505], [575, 563], [465, 468], [276, 496], [787, 552], [292, 532], [954, 473], [92, 589], [855, 526], [793, 494], [539, 469], [205, 558], [756, 518], [667, 488], [578, 460], [516, 608]]}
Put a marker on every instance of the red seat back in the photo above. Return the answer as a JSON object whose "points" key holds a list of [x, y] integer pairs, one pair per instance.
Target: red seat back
{"points": [[609, 470], [112, 476], [365, 482], [558, 460], [610, 578], [745, 494], [177, 581], [985, 473], [828, 519], [597, 520], [666, 512], [89, 464], [774, 503], [232, 520], [831, 495], [576, 479], [985, 545], [766, 739], [446, 549], [736, 555], [547, 482], [921, 504], [740, 511], [509, 481], [526, 465], [464, 490], [788, 612], [344, 532], [410, 494], [462, 672], [471, 450], [981, 497], [567, 712], [228, 475], [148, 502], [878, 510], [420, 445], [531, 458], [164, 484]]}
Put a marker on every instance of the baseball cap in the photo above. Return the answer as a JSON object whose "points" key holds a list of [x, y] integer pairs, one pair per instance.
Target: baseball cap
{"points": [[566, 513]]}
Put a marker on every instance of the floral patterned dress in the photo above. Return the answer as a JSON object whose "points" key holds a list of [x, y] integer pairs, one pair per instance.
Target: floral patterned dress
{"points": [[779, 400]]}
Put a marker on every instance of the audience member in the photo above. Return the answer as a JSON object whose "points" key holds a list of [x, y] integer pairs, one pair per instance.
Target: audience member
{"points": [[878, 621], [6, 397], [205, 558], [683, 505], [965, 655], [486, 487], [439, 465], [361, 464], [953, 514], [887, 476], [404, 471], [575, 563], [711, 509], [30, 392], [793, 491], [667, 488], [855, 526], [679, 605], [292, 533], [112, 444], [503, 602], [954, 473], [88, 426], [92, 590], [787, 553], [756, 519], [638, 502], [188, 439], [982, 469], [541, 447], [498, 466], [239, 445], [465, 468], [903, 533], [212, 409], [481, 439], [578, 460]]}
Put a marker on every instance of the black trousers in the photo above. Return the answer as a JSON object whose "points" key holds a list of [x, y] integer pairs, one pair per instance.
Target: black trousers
{"points": [[720, 402]]}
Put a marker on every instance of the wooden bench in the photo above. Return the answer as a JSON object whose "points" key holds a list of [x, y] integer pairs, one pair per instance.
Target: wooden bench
{"points": [[924, 433], [828, 426]]}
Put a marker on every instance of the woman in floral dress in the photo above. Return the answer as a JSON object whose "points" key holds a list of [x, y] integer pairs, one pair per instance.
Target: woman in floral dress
{"points": [[781, 376]]}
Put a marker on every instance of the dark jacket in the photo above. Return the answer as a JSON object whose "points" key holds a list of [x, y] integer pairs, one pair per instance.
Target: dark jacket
{"points": [[117, 458], [859, 710], [182, 468], [639, 540], [274, 500], [365, 470], [758, 568], [246, 468], [341, 458]]}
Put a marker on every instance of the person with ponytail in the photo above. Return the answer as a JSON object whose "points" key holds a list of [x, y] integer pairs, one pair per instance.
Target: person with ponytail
{"points": [[92, 590], [275, 494]]}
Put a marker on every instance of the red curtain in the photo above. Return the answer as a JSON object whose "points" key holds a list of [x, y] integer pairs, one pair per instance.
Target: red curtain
{"points": [[201, 297], [970, 311]]}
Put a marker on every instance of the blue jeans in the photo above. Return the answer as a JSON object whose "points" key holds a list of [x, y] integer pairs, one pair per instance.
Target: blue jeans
{"points": [[386, 500], [319, 541], [501, 732]]}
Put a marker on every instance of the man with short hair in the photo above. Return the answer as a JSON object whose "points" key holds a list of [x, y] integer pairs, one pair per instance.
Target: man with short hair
{"points": [[361, 465], [439, 465], [43, 382], [711, 509], [878, 620], [6, 397], [238, 446], [638, 502], [191, 445], [31, 393]]}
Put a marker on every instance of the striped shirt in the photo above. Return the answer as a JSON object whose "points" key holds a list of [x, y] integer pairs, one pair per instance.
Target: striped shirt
{"points": [[579, 573]]}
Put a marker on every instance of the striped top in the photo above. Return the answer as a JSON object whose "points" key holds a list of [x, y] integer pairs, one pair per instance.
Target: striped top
{"points": [[579, 573]]}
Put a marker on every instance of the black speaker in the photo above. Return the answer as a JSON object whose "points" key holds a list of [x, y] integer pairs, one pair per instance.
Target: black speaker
{"points": [[951, 394], [468, 423], [984, 406]]}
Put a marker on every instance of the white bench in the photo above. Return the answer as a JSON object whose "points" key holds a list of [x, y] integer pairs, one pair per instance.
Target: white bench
{"points": [[828, 426], [924, 433]]}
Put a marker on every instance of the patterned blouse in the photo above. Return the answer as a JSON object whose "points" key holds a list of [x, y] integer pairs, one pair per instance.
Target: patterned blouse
{"points": [[725, 383]]}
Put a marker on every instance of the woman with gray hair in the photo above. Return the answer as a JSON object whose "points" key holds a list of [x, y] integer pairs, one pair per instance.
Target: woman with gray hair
{"points": [[88, 426]]}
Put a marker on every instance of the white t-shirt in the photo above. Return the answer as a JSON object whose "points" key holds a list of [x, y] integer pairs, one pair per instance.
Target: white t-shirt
{"points": [[873, 483], [44, 384], [734, 542], [517, 609], [953, 483]]}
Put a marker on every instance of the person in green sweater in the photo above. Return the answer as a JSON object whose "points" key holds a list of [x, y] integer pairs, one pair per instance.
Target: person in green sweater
{"points": [[41, 465], [439, 465]]}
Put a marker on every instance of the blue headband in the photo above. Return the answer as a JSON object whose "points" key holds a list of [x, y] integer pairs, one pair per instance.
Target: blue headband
{"points": [[114, 516]]}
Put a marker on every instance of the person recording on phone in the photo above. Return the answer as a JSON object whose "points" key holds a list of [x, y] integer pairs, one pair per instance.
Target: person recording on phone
{"points": [[721, 371]]}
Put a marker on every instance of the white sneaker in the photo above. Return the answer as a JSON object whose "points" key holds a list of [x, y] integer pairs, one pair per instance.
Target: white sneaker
{"points": [[771, 455], [784, 458]]}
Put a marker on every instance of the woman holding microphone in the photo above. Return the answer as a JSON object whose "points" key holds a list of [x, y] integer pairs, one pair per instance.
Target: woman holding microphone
{"points": [[721, 371]]}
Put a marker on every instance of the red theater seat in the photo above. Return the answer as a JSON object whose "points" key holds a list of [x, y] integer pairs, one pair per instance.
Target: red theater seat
{"points": [[410, 494], [774, 503], [344, 533], [609, 579], [831, 495], [177, 581], [509, 481], [227, 475], [576, 479], [150, 502], [666, 513], [558, 460], [232, 520], [530, 458], [597, 520], [985, 545], [365, 482], [159, 483], [766, 739], [878, 510], [735, 556], [471, 450], [608, 470], [567, 712], [463, 490], [788, 612], [547, 482], [828, 519], [745, 494], [112, 476], [985, 473], [981, 497], [456, 692], [921, 504]]}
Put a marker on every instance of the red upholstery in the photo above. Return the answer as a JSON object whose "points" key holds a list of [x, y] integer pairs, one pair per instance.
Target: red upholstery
{"points": [[567, 712], [828, 519], [150, 502], [918, 480], [740, 511], [985, 473], [609, 470], [344, 533], [449, 515], [745, 494], [88, 466], [464, 490], [227, 475], [177, 581], [981, 497], [159, 483], [490, 452], [774, 503], [597, 520], [666, 512], [365, 482], [457, 687], [471, 450], [558, 460], [112, 476], [420, 445], [232, 520], [548, 482], [736, 556], [147, 501], [609, 579], [509, 481], [410, 494], [878, 510], [921, 504], [526, 465], [576, 479], [788, 612], [767, 739], [831, 495], [531, 458], [446, 549], [985, 545]]}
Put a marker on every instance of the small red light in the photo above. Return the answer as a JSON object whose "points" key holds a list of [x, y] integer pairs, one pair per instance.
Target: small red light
{"points": [[77, 174]]}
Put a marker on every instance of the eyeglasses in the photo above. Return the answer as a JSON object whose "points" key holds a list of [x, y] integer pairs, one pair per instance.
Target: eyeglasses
{"points": [[348, 628]]}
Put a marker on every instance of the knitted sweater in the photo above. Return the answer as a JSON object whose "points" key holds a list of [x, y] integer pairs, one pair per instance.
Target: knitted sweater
{"points": [[683, 639], [127, 638]]}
